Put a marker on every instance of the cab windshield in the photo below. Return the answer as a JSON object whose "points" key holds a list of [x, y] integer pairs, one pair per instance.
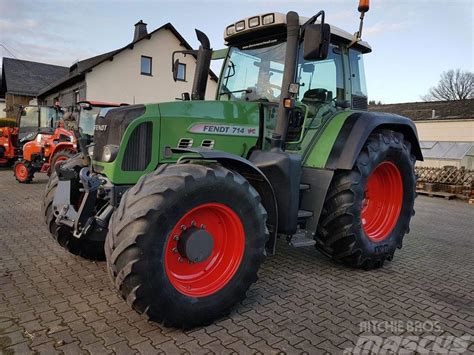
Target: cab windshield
{"points": [[253, 74], [33, 117], [256, 74], [87, 118]]}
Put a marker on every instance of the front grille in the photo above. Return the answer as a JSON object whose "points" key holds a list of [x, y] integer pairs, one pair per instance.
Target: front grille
{"points": [[110, 129], [138, 152]]}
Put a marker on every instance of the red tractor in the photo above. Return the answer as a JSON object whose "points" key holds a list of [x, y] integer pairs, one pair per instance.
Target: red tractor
{"points": [[42, 141]]}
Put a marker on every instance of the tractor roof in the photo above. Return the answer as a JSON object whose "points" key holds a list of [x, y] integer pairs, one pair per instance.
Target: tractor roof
{"points": [[278, 19]]}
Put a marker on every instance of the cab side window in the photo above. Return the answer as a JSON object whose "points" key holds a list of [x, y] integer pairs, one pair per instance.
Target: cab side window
{"points": [[358, 85], [322, 81]]}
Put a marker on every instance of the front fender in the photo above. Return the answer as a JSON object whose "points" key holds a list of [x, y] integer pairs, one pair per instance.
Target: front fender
{"points": [[254, 176], [357, 129]]}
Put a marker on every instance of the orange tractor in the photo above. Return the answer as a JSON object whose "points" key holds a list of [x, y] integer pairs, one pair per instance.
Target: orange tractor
{"points": [[60, 140], [42, 141], [8, 142]]}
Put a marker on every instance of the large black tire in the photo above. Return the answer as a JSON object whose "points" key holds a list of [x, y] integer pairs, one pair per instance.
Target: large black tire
{"points": [[341, 234], [141, 228], [84, 247]]}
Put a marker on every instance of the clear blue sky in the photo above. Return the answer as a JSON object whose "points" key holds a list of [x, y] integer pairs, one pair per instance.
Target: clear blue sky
{"points": [[413, 41]]}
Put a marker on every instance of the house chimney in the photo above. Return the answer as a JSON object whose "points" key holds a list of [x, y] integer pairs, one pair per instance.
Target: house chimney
{"points": [[140, 30]]}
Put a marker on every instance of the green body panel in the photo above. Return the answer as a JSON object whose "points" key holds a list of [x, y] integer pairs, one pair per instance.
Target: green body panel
{"points": [[317, 153], [233, 126]]}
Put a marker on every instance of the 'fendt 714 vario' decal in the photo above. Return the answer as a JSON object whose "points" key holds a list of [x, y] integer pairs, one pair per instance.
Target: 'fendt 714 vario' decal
{"points": [[224, 130]]}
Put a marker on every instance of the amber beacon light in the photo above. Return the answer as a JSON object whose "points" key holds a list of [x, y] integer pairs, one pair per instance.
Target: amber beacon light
{"points": [[363, 5]]}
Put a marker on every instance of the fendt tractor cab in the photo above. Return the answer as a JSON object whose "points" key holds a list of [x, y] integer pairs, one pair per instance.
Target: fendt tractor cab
{"points": [[190, 196], [43, 141]]}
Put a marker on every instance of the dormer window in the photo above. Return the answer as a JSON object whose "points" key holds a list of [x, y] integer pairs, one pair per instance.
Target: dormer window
{"points": [[145, 65]]}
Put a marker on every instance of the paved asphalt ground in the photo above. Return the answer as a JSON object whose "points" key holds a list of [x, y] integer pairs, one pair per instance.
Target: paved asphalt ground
{"points": [[52, 302]]}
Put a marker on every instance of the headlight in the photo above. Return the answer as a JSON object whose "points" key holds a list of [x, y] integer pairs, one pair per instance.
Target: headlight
{"points": [[110, 152], [230, 30], [268, 19], [254, 22], [90, 150], [240, 26]]}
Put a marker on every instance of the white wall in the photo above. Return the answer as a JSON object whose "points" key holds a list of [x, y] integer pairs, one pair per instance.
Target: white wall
{"points": [[120, 80], [2, 109], [446, 130]]}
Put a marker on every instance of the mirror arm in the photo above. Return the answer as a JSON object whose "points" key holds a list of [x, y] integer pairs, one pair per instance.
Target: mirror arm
{"points": [[185, 52], [313, 20]]}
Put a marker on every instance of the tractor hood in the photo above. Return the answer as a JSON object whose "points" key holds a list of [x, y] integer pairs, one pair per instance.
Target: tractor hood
{"points": [[132, 140]]}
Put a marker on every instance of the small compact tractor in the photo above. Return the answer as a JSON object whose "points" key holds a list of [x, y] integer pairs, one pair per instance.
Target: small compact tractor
{"points": [[43, 141], [54, 145], [187, 198]]}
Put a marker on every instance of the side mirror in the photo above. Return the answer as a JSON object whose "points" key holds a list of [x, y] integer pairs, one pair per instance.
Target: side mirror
{"points": [[175, 69], [316, 41]]}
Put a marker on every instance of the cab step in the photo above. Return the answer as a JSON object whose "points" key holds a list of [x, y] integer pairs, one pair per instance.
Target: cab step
{"points": [[302, 214], [300, 240]]}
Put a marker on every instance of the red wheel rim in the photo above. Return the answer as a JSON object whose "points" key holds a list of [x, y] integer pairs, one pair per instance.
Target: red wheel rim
{"points": [[205, 278], [382, 201], [60, 159], [21, 172]]}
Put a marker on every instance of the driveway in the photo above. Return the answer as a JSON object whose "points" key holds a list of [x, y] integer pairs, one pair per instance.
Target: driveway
{"points": [[51, 301]]}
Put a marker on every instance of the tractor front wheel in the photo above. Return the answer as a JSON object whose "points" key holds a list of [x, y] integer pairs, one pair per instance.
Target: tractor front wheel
{"points": [[367, 210], [23, 171], [186, 243]]}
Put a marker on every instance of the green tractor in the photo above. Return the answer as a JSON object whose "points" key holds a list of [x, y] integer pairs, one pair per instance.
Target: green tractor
{"points": [[185, 199]]}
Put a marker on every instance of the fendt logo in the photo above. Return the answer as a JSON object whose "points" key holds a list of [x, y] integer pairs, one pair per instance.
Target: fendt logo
{"points": [[100, 127]]}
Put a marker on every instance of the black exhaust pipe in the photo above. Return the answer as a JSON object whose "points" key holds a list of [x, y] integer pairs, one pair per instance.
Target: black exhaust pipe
{"points": [[291, 57], [203, 64]]}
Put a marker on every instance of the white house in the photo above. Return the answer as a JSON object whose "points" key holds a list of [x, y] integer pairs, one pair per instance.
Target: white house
{"points": [[139, 72]]}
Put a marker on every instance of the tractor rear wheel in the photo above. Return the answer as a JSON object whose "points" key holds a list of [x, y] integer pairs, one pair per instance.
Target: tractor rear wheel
{"points": [[23, 171], [88, 249], [59, 157], [186, 243], [367, 210]]}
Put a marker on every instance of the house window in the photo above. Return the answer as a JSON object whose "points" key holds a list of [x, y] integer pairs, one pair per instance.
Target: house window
{"points": [[181, 72], [145, 65]]}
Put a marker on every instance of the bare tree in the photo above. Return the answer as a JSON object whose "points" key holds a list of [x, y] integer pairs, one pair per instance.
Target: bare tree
{"points": [[453, 85]]}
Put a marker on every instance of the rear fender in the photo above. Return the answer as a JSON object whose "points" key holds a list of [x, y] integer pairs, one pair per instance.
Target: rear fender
{"points": [[254, 176], [61, 146], [357, 129]]}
